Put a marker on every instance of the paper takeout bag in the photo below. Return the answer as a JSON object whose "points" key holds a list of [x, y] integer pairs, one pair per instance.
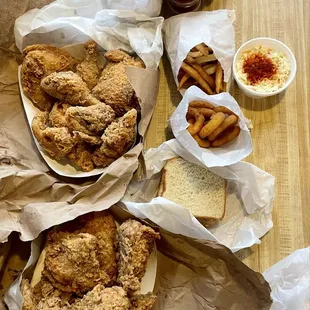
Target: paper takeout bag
{"points": [[215, 28], [27, 184], [225, 155], [190, 273], [249, 197]]}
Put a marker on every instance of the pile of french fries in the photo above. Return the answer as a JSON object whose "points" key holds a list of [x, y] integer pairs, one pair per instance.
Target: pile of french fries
{"points": [[211, 126], [201, 68]]}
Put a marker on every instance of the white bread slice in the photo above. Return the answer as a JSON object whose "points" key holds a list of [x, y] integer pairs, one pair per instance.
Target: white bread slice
{"points": [[195, 188]]}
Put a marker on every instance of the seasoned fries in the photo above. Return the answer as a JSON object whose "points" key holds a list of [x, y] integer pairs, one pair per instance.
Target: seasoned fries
{"points": [[201, 67], [211, 126]]}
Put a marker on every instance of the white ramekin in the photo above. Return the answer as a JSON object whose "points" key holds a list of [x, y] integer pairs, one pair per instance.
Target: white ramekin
{"points": [[274, 44]]}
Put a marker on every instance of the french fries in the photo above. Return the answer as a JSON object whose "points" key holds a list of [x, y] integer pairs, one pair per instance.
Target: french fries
{"points": [[211, 126], [201, 68]]}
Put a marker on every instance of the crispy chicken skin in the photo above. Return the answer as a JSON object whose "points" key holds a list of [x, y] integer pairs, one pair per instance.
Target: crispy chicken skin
{"points": [[83, 137], [57, 142], [135, 244], [117, 139], [82, 253], [39, 61], [68, 87], [100, 298], [71, 262], [81, 156], [89, 120], [103, 227], [142, 302], [57, 115], [88, 69], [114, 87], [43, 296]]}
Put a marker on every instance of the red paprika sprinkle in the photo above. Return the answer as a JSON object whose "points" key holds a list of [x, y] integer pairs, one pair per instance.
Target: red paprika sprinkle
{"points": [[258, 67]]}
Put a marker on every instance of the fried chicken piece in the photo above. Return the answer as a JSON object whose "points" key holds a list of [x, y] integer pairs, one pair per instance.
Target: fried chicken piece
{"points": [[82, 253], [57, 115], [136, 243], [43, 296], [142, 302], [68, 87], [29, 299], [57, 142], [90, 120], [81, 156], [88, 69], [114, 87], [71, 262], [102, 226], [41, 60], [117, 139], [100, 298], [83, 137]]}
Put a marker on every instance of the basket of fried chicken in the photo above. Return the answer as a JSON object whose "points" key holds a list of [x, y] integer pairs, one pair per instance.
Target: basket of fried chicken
{"points": [[94, 261], [86, 111]]}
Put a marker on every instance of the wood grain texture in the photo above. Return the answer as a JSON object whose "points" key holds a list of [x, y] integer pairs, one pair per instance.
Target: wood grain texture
{"points": [[281, 123]]}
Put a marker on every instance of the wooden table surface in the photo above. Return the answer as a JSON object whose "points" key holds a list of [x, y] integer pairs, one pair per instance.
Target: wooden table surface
{"points": [[281, 123]]}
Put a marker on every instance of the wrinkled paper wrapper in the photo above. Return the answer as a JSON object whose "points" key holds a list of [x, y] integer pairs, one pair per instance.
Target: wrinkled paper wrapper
{"points": [[183, 32], [229, 153], [61, 25], [249, 197], [190, 273], [289, 280], [29, 188]]}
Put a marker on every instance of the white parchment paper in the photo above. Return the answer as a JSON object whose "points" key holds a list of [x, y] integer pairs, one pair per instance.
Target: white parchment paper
{"points": [[184, 31], [289, 280], [61, 25], [249, 197], [228, 154]]}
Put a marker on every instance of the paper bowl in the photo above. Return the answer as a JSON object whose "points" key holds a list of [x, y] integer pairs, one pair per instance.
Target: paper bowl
{"points": [[274, 44]]}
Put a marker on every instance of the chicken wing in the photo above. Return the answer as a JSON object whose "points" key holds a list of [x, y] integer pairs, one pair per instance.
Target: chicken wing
{"points": [[57, 142], [142, 302], [88, 69], [136, 242], [39, 61], [90, 120], [118, 137], [57, 115], [100, 298], [68, 87], [114, 87]]}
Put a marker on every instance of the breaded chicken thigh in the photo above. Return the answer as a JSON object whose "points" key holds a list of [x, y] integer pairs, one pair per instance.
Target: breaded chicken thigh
{"points": [[142, 302], [117, 139], [88, 69], [114, 87], [41, 60]]}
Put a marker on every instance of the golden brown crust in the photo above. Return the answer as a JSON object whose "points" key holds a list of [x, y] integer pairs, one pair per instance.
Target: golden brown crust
{"points": [[114, 87], [57, 115], [41, 60], [81, 156]]}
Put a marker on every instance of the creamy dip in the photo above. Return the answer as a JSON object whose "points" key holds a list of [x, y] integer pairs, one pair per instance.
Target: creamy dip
{"points": [[263, 69]]}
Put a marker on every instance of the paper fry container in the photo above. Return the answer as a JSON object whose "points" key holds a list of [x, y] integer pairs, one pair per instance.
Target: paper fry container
{"points": [[225, 155], [215, 29]]}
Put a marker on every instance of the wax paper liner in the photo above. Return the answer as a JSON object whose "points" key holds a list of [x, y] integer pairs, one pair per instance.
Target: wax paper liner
{"points": [[249, 197]]}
